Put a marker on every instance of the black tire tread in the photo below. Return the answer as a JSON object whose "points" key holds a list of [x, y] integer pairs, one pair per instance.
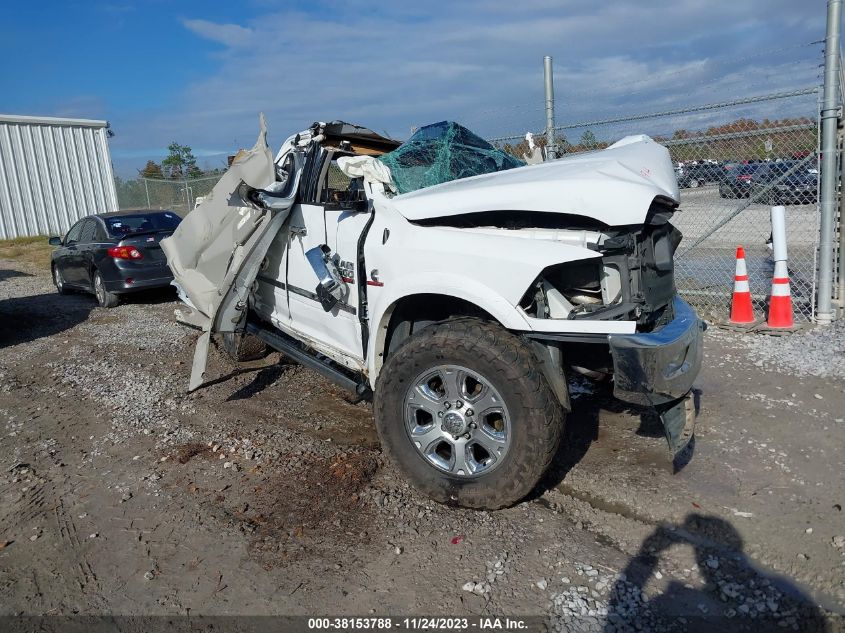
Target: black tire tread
{"points": [[535, 401], [64, 290], [110, 299]]}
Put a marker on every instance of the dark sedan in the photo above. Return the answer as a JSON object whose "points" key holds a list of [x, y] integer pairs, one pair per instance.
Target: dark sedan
{"points": [[781, 182], [737, 182], [797, 188], [699, 175], [111, 254]]}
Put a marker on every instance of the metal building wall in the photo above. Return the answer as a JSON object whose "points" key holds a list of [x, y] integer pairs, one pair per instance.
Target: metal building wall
{"points": [[52, 172]]}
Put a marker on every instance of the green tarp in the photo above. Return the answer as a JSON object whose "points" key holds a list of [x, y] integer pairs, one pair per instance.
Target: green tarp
{"points": [[441, 152]]}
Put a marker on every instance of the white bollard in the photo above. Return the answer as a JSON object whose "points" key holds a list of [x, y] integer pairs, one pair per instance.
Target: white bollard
{"points": [[779, 233], [780, 301]]}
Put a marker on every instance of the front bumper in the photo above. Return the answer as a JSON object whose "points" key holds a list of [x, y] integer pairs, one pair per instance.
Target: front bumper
{"points": [[659, 367]]}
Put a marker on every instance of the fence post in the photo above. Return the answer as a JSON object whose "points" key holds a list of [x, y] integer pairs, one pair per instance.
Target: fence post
{"points": [[840, 288], [829, 175], [551, 144]]}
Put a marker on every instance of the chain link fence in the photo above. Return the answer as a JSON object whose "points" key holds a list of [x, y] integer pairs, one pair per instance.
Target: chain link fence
{"points": [[179, 196], [733, 161]]}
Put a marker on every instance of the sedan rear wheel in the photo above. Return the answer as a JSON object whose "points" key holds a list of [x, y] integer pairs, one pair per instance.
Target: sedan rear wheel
{"points": [[105, 298], [59, 281]]}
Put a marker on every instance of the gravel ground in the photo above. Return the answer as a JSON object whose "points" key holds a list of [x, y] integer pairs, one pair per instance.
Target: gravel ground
{"points": [[266, 492], [816, 351]]}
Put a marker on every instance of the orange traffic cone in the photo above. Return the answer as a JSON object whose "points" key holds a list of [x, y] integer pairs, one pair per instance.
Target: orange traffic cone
{"points": [[780, 302], [741, 309]]}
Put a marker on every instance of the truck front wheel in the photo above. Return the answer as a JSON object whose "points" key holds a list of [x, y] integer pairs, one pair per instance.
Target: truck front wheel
{"points": [[463, 411]]}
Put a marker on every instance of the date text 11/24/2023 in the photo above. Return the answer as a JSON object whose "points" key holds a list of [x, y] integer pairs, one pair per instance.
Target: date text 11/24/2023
{"points": [[479, 623]]}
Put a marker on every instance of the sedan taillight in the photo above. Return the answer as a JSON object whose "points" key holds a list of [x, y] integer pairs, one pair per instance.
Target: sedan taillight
{"points": [[125, 252]]}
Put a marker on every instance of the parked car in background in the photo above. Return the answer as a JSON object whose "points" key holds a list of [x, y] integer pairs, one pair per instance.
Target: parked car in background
{"points": [[736, 183], [691, 176], [111, 254], [777, 185]]}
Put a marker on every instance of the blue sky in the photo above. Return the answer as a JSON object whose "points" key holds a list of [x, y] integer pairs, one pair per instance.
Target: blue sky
{"points": [[199, 72]]}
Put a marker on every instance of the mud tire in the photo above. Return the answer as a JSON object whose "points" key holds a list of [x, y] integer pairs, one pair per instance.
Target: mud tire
{"points": [[509, 364]]}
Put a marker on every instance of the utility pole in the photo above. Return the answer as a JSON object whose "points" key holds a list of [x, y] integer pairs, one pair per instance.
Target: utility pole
{"points": [[551, 144], [829, 175]]}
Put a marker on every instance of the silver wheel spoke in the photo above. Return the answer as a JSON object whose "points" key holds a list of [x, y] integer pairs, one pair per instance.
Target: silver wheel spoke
{"points": [[454, 384], [493, 445], [457, 420], [485, 463], [425, 437], [459, 460], [424, 389], [486, 401]]}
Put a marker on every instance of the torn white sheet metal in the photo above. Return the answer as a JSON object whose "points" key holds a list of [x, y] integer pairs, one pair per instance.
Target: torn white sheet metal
{"points": [[372, 169], [615, 185], [216, 251]]}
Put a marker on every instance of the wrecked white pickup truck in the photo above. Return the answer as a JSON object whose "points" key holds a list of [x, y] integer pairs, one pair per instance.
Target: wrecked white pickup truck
{"points": [[452, 283]]}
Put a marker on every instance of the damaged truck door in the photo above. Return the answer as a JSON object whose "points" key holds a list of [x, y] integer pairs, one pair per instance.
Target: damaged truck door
{"points": [[217, 250]]}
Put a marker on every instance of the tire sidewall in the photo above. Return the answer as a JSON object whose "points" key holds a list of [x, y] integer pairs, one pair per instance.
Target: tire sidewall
{"points": [[101, 300], [58, 281], [521, 458]]}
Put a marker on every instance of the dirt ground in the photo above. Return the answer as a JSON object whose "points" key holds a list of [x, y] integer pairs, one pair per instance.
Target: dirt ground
{"points": [[266, 492]]}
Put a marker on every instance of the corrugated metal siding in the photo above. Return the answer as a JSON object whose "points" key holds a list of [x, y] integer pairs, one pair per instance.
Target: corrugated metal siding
{"points": [[52, 172]]}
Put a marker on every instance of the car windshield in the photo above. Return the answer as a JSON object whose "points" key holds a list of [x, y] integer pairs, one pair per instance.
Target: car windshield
{"points": [[142, 223]]}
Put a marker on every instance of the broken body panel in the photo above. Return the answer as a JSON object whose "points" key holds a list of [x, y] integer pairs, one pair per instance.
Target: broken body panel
{"points": [[216, 254], [571, 252]]}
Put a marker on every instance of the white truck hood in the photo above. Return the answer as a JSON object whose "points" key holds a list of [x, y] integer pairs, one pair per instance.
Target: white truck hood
{"points": [[615, 186]]}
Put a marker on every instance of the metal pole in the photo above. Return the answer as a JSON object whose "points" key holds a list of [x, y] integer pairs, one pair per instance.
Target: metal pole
{"points": [[840, 294], [551, 144], [147, 189], [829, 176]]}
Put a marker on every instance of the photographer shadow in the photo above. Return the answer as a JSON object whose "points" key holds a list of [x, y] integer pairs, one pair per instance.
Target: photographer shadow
{"points": [[733, 596]]}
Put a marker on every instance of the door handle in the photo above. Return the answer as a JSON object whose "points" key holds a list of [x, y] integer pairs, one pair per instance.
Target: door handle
{"points": [[299, 231]]}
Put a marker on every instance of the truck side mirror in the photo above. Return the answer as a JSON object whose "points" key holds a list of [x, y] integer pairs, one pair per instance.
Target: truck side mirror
{"points": [[55, 241]]}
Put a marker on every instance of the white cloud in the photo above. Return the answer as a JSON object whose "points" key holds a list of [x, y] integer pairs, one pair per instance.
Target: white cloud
{"points": [[231, 35], [392, 66]]}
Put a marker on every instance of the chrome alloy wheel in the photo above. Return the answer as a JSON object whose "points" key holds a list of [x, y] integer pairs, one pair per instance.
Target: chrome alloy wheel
{"points": [[99, 290], [457, 420], [57, 279]]}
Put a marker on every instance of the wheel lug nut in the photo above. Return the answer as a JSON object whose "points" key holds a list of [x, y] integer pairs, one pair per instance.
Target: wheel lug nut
{"points": [[458, 404], [470, 412], [442, 427], [439, 414], [447, 404], [472, 425], [467, 435]]}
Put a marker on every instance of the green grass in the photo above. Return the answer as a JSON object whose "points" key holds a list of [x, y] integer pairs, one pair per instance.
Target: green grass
{"points": [[31, 250]]}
